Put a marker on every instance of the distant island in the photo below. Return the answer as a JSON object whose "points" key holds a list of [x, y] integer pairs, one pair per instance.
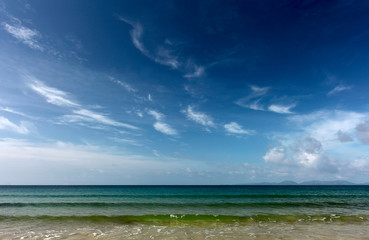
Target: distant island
{"points": [[313, 182]]}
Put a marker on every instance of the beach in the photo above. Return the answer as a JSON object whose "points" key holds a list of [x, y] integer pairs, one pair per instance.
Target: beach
{"points": [[184, 212]]}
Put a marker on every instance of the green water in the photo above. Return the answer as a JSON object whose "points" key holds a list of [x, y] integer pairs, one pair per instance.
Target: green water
{"points": [[186, 203], [184, 212]]}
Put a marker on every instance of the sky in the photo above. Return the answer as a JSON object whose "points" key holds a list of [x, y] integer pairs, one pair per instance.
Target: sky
{"points": [[183, 92]]}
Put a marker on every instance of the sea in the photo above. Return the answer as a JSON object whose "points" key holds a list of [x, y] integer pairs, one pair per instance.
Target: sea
{"points": [[184, 212]]}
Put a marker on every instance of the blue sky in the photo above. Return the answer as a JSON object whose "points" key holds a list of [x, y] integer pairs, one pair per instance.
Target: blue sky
{"points": [[183, 92]]}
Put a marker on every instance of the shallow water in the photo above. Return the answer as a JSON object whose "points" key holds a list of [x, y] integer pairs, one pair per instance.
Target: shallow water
{"points": [[184, 212]]}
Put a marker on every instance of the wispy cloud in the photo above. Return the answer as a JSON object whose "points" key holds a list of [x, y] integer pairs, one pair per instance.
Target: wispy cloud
{"points": [[198, 117], [160, 125], [235, 128], [281, 108], [91, 116], [5, 124], [197, 72], [258, 94], [252, 101], [125, 85], [157, 115], [163, 55], [165, 128], [52, 95], [80, 114], [24, 34], [9, 110], [338, 89], [126, 141]]}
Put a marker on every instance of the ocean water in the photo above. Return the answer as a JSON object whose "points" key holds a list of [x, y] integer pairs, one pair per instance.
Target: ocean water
{"points": [[184, 212]]}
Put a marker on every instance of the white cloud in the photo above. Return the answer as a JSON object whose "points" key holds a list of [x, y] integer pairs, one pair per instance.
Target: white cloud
{"points": [[324, 125], [235, 128], [157, 115], [255, 106], [5, 124], [24, 34], [258, 91], [159, 125], [125, 85], [323, 142], [281, 109], [52, 95], [276, 155], [163, 55], [165, 128], [252, 101], [197, 72], [60, 98], [198, 117], [362, 132], [6, 109], [136, 34], [338, 89], [90, 116]]}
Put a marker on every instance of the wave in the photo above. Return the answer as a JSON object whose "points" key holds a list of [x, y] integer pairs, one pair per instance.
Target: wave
{"points": [[189, 196], [223, 205], [170, 219]]}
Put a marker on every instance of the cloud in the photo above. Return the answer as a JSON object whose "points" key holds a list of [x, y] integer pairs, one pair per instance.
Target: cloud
{"points": [[24, 34], [165, 128], [324, 125], [303, 153], [276, 155], [321, 145], [161, 126], [198, 117], [52, 95], [235, 128], [252, 101], [281, 109], [344, 137], [163, 55], [197, 72], [338, 89], [24, 162], [255, 106], [125, 85], [91, 116], [5, 124], [136, 34], [362, 132], [9, 110], [157, 115], [62, 99]]}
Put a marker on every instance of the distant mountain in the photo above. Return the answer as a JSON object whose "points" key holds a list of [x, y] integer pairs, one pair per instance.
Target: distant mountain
{"points": [[288, 183]]}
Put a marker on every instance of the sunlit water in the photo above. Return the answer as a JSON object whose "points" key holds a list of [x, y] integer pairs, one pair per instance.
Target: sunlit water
{"points": [[184, 212]]}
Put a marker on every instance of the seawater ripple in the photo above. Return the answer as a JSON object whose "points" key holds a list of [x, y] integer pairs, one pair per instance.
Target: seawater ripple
{"points": [[184, 205], [195, 219], [243, 203]]}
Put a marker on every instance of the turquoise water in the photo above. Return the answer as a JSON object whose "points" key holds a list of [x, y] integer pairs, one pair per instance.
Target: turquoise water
{"points": [[184, 212], [237, 201]]}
